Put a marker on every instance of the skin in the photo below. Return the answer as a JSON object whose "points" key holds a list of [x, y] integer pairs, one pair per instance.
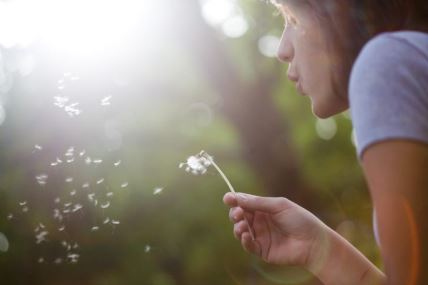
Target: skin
{"points": [[396, 172]]}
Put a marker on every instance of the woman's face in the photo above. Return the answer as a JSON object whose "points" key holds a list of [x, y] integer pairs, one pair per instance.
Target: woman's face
{"points": [[311, 64]]}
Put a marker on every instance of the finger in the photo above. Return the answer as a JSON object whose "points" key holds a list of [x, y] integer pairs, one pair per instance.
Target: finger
{"points": [[249, 244], [265, 204], [239, 228], [230, 199], [236, 214]]}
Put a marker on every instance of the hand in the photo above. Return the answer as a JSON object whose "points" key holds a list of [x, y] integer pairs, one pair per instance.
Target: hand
{"points": [[285, 233]]}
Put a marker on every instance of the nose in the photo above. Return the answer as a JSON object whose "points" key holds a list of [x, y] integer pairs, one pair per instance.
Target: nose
{"points": [[285, 51]]}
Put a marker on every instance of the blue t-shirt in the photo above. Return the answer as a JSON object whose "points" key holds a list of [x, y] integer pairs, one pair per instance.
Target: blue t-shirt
{"points": [[388, 89]]}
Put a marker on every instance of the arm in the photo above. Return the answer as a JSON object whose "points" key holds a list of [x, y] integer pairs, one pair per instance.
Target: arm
{"points": [[397, 174], [336, 261]]}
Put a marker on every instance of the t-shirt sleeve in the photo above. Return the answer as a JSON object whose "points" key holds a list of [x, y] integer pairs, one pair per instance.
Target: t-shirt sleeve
{"points": [[388, 92]]}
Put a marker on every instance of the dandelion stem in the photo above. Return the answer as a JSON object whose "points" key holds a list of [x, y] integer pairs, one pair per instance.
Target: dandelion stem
{"points": [[230, 187]]}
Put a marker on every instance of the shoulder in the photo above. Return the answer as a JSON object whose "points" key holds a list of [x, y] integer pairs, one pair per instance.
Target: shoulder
{"points": [[388, 89]]}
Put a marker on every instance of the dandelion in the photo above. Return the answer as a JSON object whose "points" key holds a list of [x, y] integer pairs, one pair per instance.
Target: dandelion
{"points": [[100, 181], [157, 191], [198, 164], [125, 184], [106, 205], [95, 228], [117, 163]]}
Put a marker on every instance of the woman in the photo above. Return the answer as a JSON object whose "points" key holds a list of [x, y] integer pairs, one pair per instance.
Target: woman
{"points": [[372, 57]]}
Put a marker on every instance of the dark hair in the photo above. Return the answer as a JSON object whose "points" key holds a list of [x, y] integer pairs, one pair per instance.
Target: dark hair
{"points": [[349, 25]]}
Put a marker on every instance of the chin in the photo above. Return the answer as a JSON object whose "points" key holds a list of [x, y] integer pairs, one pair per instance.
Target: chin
{"points": [[324, 111]]}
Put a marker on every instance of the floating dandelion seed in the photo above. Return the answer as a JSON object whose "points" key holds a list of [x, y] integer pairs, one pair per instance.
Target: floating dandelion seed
{"points": [[25, 209], [77, 207], [57, 200], [58, 261], [117, 163], [54, 163], [106, 101], [106, 221], [198, 164], [95, 228], [91, 196], [57, 215], [4, 243], [95, 202], [85, 185], [70, 160], [40, 237], [106, 205], [10, 217], [37, 147], [109, 194], [66, 205], [82, 153], [115, 222], [88, 160], [60, 101], [41, 260], [97, 161], [70, 151], [75, 245], [100, 181], [41, 179], [62, 228], [64, 243], [157, 191], [125, 184], [73, 192], [147, 248], [73, 257], [23, 203], [69, 179]]}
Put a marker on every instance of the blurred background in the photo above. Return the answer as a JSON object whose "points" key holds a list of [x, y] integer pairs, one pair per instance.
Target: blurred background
{"points": [[99, 103]]}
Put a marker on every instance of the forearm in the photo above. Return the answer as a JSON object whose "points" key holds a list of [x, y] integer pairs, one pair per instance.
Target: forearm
{"points": [[336, 261]]}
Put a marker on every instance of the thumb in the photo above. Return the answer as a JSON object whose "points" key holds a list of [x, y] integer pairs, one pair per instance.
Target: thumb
{"points": [[270, 205]]}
